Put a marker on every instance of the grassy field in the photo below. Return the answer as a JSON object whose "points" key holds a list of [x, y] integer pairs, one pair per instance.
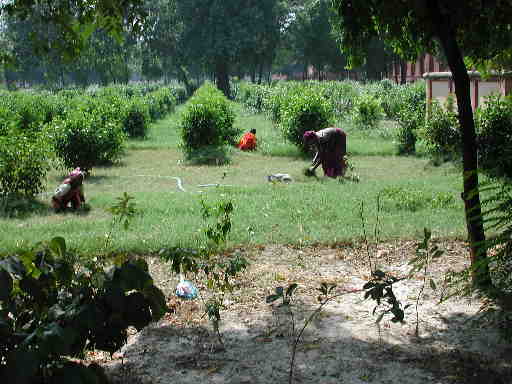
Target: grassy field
{"points": [[306, 211]]}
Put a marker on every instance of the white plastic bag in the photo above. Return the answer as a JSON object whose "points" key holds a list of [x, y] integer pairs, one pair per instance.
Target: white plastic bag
{"points": [[185, 289]]}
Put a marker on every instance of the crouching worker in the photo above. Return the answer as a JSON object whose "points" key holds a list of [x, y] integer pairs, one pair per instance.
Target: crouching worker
{"points": [[70, 191], [248, 141], [331, 147]]}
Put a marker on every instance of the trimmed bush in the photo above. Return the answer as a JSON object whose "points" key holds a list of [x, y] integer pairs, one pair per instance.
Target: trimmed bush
{"points": [[24, 163], [410, 118], [494, 123], [252, 96], [441, 134], [136, 117], [207, 120], [81, 140], [367, 111], [304, 111]]}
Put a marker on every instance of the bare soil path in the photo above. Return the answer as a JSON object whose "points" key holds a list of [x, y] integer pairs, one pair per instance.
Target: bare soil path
{"points": [[342, 344]]}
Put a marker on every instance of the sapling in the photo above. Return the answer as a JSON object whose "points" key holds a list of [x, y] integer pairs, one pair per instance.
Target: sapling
{"points": [[327, 294], [123, 212], [425, 254]]}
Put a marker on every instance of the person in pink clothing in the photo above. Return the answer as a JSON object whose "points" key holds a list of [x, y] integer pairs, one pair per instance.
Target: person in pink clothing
{"points": [[331, 148], [70, 191]]}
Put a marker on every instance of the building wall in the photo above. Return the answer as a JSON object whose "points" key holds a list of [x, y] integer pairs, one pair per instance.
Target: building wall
{"points": [[440, 86]]}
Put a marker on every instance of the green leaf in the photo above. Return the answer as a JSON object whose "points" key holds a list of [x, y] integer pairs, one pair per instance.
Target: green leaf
{"points": [[136, 310], [13, 265], [22, 366], [279, 291], [75, 373], [272, 298], [58, 246], [130, 276], [157, 302], [291, 288], [438, 253], [6, 285], [433, 285]]}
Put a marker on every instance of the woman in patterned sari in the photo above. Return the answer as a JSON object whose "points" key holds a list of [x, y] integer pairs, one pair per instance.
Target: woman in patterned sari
{"points": [[331, 148]]}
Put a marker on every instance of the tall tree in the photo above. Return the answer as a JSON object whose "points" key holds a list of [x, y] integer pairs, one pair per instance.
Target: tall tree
{"points": [[75, 20], [219, 33], [311, 38], [476, 29]]}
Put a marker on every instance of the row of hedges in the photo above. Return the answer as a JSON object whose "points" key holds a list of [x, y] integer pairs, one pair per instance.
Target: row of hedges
{"points": [[76, 127], [493, 123], [299, 106], [363, 105]]}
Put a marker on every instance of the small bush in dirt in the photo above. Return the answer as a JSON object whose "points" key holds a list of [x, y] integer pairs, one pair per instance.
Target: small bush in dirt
{"points": [[24, 163], [367, 112], [304, 111], [441, 134], [494, 122], [53, 308], [82, 141], [207, 121], [215, 268]]}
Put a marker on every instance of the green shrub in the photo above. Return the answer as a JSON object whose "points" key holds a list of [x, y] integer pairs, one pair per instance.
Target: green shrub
{"points": [[367, 111], [207, 120], [24, 163], [81, 140], [411, 119], [136, 117], [274, 100], [304, 111], [341, 95], [252, 96], [53, 309], [494, 123], [180, 93], [400, 198], [441, 134]]}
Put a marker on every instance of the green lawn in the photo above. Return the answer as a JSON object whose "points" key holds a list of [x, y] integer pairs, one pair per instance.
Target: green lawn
{"points": [[305, 211]]}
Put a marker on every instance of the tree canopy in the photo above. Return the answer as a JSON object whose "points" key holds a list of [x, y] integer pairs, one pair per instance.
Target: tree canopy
{"points": [[475, 29]]}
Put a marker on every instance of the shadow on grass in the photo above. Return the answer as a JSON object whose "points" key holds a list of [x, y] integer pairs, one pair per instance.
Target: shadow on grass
{"points": [[331, 351], [22, 208], [99, 179]]}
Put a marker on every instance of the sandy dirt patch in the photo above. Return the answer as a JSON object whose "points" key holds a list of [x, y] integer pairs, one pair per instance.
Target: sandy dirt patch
{"points": [[343, 343]]}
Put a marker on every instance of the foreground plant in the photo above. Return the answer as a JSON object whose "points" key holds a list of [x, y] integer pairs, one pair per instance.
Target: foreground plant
{"points": [[53, 308], [327, 293], [208, 263]]}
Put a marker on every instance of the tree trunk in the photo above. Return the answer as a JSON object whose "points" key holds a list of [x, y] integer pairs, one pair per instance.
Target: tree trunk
{"points": [[222, 76], [183, 76], [403, 71], [471, 195], [260, 72]]}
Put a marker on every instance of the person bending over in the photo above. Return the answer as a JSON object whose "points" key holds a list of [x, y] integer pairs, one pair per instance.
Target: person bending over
{"points": [[70, 191], [331, 147]]}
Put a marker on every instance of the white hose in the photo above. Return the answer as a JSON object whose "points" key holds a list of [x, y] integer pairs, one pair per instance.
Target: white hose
{"points": [[179, 184]]}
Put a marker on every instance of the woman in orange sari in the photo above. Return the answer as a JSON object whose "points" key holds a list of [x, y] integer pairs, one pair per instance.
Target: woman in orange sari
{"points": [[248, 142]]}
